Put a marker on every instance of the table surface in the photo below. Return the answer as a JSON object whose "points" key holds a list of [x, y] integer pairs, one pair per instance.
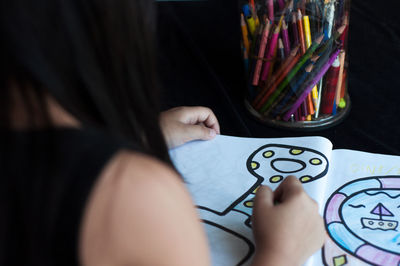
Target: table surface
{"points": [[200, 64]]}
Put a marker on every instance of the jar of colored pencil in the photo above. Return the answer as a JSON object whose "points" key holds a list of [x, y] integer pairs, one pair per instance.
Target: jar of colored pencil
{"points": [[296, 63]]}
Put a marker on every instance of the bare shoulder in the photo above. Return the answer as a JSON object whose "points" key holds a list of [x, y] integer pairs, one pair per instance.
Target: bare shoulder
{"points": [[140, 213]]}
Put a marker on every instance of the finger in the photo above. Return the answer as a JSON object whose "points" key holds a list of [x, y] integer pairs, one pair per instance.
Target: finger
{"points": [[193, 132], [264, 197], [203, 115], [289, 187]]}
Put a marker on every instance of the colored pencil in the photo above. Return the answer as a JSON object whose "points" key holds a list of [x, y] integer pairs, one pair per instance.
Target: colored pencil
{"points": [[254, 13], [270, 55], [271, 10], [301, 31], [255, 46], [293, 89], [342, 56], [328, 96], [251, 24], [288, 48], [260, 101], [281, 50], [261, 52], [307, 31], [327, 44], [313, 17], [343, 37], [309, 87], [292, 73], [281, 4], [279, 75], [314, 93], [285, 38], [330, 14], [295, 32], [245, 34]]}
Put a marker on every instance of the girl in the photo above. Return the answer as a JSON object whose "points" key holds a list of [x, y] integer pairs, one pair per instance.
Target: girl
{"points": [[85, 173]]}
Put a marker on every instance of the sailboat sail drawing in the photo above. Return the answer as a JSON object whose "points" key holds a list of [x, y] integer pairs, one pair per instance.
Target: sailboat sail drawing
{"points": [[381, 223]]}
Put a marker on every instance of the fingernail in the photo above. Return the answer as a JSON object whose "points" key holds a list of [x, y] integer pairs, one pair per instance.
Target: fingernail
{"points": [[212, 133]]}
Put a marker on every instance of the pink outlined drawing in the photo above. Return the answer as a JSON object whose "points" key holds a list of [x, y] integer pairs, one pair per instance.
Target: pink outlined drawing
{"points": [[362, 219]]}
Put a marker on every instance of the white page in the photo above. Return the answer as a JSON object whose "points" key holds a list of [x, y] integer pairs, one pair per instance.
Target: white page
{"points": [[220, 177], [363, 209]]}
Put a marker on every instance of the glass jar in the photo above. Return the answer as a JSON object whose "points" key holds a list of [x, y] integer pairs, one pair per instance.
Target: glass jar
{"points": [[296, 61]]}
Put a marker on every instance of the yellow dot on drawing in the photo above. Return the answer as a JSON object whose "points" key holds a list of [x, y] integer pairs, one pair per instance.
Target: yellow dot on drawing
{"points": [[249, 204], [305, 178], [268, 154], [275, 179], [315, 161], [296, 151], [254, 165]]}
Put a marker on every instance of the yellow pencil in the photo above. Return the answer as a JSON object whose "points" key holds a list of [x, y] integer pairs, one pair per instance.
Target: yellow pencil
{"points": [[251, 23], [308, 40], [307, 31]]}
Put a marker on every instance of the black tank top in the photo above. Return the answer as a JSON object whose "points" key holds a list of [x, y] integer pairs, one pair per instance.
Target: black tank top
{"points": [[44, 195]]}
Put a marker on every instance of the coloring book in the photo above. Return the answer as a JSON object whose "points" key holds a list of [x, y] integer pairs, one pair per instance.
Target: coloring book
{"points": [[358, 194]]}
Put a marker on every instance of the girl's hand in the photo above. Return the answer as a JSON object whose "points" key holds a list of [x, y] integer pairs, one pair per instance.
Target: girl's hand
{"points": [[183, 124], [287, 226]]}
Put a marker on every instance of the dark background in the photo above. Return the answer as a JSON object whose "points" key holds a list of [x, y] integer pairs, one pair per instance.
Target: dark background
{"points": [[200, 64]]}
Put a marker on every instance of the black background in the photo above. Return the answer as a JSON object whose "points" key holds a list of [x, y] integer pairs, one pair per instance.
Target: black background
{"points": [[200, 64]]}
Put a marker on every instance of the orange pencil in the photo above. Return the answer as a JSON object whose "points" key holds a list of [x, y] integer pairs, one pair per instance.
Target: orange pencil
{"points": [[301, 31], [310, 106], [340, 79], [343, 90]]}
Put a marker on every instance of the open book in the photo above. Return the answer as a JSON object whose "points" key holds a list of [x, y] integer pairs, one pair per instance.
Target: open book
{"points": [[358, 194]]}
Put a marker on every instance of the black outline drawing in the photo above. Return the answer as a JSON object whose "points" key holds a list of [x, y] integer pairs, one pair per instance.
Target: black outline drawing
{"points": [[303, 165], [290, 148], [258, 181], [248, 242]]}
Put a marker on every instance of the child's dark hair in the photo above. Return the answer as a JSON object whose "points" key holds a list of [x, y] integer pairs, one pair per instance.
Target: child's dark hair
{"points": [[95, 57]]}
